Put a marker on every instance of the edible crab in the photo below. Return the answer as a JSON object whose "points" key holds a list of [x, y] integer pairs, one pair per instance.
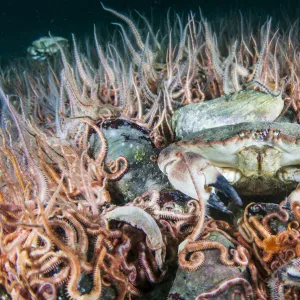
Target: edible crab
{"points": [[234, 141]]}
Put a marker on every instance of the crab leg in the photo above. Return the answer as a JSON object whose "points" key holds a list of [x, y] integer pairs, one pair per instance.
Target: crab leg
{"points": [[187, 170]]}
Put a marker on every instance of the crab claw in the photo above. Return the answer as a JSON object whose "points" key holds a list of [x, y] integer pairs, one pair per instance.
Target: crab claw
{"points": [[215, 202], [226, 188], [193, 175]]}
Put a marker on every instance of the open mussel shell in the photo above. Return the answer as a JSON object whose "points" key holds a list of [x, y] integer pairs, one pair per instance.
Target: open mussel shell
{"points": [[241, 107], [126, 138]]}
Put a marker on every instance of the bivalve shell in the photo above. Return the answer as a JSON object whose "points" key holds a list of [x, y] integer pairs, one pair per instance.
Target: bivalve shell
{"points": [[241, 107]]}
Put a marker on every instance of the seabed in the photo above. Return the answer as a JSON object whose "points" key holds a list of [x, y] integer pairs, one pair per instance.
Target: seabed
{"points": [[91, 204]]}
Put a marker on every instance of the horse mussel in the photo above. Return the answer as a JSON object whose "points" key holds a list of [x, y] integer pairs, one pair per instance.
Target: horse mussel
{"points": [[126, 138]]}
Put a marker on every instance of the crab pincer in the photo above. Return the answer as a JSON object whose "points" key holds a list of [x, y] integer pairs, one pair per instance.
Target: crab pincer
{"points": [[193, 175], [215, 202]]}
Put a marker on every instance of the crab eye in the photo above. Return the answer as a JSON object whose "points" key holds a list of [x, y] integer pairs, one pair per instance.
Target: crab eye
{"points": [[241, 134]]}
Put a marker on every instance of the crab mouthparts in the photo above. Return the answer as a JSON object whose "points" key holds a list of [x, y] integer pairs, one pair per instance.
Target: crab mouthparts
{"points": [[225, 187]]}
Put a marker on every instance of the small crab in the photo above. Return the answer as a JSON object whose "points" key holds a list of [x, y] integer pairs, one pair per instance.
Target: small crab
{"points": [[233, 141], [45, 47], [286, 276]]}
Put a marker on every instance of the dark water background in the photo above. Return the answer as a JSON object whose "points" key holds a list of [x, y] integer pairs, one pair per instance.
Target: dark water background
{"points": [[22, 22]]}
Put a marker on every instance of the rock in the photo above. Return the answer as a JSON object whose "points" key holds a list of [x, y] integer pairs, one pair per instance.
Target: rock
{"points": [[188, 285]]}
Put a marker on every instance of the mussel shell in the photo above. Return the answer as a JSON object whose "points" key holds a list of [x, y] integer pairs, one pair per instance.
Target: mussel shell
{"points": [[244, 106], [126, 138]]}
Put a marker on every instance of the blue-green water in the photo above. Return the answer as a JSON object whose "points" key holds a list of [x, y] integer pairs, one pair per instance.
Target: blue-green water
{"points": [[22, 22]]}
